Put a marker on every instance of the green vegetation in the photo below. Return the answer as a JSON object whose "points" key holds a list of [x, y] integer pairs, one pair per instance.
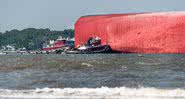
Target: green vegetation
{"points": [[31, 38]]}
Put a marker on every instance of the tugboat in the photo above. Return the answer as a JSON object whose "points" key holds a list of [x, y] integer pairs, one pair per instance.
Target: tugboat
{"points": [[58, 46], [93, 46], [90, 49]]}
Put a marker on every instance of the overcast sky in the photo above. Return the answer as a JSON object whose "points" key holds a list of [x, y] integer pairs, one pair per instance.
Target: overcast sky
{"points": [[62, 14]]}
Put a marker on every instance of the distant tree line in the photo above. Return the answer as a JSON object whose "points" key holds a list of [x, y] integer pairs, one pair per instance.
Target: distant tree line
{"points": [[31, 38]]}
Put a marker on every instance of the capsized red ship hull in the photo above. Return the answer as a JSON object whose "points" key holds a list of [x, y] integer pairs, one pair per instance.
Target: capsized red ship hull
{"points": [[162, 32]]}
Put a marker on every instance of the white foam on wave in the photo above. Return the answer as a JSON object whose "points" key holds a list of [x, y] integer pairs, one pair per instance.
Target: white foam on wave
{"points": [[89, 93]]}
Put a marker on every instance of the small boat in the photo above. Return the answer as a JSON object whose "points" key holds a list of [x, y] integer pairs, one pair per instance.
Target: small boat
{"points": [[3, 53], [90, 49]]}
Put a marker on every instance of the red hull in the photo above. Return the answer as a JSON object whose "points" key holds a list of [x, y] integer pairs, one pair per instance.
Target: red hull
{"points": [[52, 48], [135, 33]]}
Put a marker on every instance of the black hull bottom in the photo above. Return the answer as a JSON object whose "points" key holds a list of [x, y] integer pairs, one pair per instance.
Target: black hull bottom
{"points": [[92, 50]]}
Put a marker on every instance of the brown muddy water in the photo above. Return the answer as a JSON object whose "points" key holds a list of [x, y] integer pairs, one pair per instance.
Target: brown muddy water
{"points": [[129, 76]]}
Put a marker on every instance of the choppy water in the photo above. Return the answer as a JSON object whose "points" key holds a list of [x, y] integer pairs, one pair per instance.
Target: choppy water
{"points": [[129, 76]]}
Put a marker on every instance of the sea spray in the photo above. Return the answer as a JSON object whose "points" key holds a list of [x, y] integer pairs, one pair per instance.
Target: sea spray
{"points": [[103, 92]]}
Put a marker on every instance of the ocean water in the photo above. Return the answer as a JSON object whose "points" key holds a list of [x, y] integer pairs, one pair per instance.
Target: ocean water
{"points": [[99, 76]]}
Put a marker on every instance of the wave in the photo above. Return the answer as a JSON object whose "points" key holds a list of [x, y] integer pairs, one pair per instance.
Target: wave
{"points": [[89, 93]]}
